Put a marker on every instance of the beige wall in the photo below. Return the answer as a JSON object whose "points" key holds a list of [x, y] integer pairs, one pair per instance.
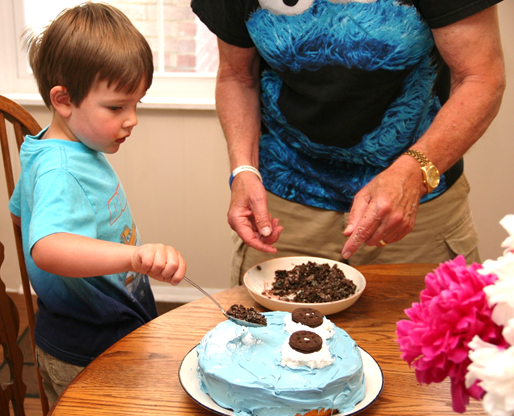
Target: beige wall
{"points": [[489, 164], [175, 171]]}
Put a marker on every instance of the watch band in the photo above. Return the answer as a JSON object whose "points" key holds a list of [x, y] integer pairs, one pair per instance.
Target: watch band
{"points": [[431, 176], [420, 157]]}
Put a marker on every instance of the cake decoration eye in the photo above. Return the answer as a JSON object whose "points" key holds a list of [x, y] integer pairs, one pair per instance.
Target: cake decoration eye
{"points": [[307, 316], [286, 7], [305, 342]]}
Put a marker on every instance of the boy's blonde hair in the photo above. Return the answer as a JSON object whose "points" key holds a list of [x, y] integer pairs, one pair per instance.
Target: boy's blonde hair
{"points": [[86, 44]]}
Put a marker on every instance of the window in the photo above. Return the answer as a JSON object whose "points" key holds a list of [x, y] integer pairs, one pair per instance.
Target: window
{"points": [[185, 51]]}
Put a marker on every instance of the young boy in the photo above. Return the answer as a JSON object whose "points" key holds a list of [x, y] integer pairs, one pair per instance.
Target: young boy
{"points": [[81, 244]]}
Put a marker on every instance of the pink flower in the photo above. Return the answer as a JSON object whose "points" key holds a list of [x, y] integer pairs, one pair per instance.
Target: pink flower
{"points": [[452, 310]]}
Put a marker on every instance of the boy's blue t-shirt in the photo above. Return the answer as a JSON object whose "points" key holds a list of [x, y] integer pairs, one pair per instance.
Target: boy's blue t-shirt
{"points": [[65, 187]]}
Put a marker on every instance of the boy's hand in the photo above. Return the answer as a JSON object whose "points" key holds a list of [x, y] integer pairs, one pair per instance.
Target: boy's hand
{"points": [[160, 262]]}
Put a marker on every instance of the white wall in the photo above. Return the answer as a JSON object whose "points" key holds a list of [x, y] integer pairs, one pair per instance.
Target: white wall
{"points": [[175, 171]]}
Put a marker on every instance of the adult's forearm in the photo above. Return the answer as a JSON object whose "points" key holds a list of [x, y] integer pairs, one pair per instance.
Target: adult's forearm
{"points": [[463, 119], [238, 103], [239, 113], [472, 49]]}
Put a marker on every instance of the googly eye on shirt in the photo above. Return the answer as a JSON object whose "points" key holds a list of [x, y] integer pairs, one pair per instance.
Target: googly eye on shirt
{"points": [[295, 7], [287, 7]]}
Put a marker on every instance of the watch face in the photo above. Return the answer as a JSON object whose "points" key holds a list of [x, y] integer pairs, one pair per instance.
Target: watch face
{"points": [[432, 176]]}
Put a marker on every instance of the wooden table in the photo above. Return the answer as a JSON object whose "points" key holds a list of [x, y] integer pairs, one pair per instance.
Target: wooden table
{"points": [[139, 374]]}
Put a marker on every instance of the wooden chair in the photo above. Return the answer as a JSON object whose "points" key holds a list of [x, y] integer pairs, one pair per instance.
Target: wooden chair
{"points": [[22, 123], [14, 390]]}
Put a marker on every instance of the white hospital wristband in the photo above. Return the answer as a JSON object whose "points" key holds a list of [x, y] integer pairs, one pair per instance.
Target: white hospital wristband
{"points": [[243, 169]]}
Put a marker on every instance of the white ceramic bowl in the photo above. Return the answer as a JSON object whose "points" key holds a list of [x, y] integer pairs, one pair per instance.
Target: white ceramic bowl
{"points": [[262, 275]]}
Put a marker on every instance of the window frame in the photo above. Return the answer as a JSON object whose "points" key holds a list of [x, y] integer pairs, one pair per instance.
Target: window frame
{"points": [[168, 91]]}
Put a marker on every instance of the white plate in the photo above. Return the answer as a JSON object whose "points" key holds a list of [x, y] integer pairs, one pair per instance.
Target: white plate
{"points": [[263, 274], [191, 384]]}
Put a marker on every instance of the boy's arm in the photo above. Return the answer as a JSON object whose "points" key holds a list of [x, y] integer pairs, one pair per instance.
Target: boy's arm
{"points": [[73, 255]]}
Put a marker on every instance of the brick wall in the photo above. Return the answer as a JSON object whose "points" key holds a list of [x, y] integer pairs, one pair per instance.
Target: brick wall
{"points": [[188, 46]]}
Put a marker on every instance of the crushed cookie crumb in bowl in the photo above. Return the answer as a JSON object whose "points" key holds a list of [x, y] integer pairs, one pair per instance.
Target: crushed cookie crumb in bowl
{"points": [[287, 283]]}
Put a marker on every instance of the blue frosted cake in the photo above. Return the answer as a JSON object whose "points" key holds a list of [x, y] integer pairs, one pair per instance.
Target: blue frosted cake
{"points": [[254, 371]]}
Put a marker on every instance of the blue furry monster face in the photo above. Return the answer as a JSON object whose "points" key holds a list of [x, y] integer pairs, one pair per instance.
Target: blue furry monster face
{"points": [[337, 67], [310, 34]]}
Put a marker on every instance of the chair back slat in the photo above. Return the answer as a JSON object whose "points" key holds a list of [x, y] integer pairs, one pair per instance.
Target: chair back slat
{"points": [[19, 133], [6, 155], [14, 389]]}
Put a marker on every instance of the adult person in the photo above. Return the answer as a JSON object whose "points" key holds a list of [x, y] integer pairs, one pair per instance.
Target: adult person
{"points": [[356, 115]]}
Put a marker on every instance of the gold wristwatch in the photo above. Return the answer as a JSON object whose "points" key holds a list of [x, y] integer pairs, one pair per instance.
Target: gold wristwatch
{"points": [[431, 175]]}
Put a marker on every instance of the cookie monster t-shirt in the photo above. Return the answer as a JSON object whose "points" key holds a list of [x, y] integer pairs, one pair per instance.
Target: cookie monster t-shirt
{"points": [[346, 86]]}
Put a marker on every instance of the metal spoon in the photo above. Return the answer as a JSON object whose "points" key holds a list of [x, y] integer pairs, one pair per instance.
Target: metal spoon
{"points": [[230, 318]]}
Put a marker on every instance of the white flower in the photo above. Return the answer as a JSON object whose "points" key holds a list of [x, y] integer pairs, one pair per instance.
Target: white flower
{"points": [[508, 223], [494, 367], [503, 267], [508, 332], [501, 294]]}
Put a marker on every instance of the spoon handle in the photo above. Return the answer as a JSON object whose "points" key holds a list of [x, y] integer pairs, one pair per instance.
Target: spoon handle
{"points": [[205, 293]]}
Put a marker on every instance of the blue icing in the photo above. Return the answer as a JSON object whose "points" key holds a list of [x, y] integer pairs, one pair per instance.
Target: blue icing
{"points": [[248, 376]]}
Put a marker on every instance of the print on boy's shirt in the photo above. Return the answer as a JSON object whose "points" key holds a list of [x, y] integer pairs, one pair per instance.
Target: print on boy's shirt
{"points": [[128, 235], [117, 204], [135, 285]]}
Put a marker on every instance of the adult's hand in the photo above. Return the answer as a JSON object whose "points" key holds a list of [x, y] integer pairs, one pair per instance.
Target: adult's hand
{"points": [[385, 209], [248, 214]]}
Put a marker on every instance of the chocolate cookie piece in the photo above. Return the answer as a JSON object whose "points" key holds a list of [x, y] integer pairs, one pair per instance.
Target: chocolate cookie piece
{"points": [[305, 342], [247, 314], [307, 316], [311, 283]]}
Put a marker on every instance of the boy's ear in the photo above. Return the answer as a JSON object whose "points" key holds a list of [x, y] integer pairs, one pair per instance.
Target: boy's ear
{"points": [[61, 100]]}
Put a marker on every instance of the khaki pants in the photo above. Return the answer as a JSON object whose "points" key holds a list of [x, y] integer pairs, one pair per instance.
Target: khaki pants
{"points": [[444, 229], [56, 374]]}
